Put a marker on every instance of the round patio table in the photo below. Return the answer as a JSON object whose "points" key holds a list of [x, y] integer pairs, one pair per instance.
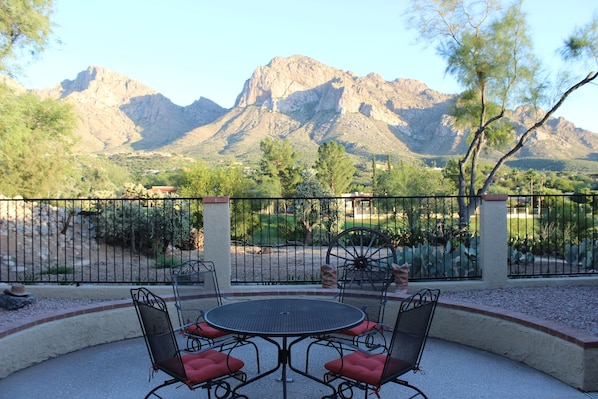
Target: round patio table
{"points": [[283, 318]]}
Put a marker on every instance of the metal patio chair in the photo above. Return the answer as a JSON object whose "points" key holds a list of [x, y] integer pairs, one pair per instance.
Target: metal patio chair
{"points": [[363, 258], [368, 370], [196, 291], [208, 369]]}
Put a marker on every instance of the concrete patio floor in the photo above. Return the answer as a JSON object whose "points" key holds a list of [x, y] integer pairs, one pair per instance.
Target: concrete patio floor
{"points": [[121, 370]]}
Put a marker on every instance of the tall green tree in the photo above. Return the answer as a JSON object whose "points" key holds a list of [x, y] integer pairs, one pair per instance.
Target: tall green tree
{"points": [[487, 49], [35, 135], [280, 166], [35, 141], [203, 180], [335, 169], [25, 26]]}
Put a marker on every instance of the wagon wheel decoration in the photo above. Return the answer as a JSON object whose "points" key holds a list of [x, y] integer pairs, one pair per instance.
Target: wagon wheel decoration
{"points": [[361, 254]]}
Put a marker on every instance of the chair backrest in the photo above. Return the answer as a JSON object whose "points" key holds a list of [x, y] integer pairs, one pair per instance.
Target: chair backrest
{"points": [[370, 299], [410, 333], [195, 290], [158, 333], [364, 259]]}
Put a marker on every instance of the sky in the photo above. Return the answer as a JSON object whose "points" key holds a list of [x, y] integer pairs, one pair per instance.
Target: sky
{"points": [[187, 49]]}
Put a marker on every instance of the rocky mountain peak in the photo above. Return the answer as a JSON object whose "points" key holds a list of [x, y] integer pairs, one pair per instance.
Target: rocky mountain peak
{"points": [[107, 86], [295, 97], [119, 113], [294, 77], [298, 84]]}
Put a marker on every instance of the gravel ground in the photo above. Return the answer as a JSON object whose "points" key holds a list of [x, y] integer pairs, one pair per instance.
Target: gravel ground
{"points": [[574, 306], [42, 306]]}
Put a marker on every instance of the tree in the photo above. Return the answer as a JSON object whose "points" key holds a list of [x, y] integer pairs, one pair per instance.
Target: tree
{"points": [[24, 26], [35, 135], [280, 165], [314, 207], [411, 179], [334, 168], [35, 141], [202, 180], [488, 51]]}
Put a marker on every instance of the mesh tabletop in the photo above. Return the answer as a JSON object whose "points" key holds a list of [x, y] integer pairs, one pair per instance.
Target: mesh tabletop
{"points": [[284, 317]]}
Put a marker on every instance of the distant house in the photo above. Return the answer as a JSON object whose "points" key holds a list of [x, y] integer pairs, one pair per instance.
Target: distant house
{"points": [[163, 189], [359, 205]]}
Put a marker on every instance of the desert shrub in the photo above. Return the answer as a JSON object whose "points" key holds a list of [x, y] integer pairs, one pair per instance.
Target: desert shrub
{"points": [[146, 225]]}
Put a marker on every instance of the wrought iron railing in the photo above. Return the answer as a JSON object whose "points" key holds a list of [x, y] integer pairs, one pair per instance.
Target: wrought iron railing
{"points": [[553, 235], [282, 241], [287, 239]]}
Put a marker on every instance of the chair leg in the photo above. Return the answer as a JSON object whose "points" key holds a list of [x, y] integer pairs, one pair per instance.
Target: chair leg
{"points": [[406, 384], [164, 384]]}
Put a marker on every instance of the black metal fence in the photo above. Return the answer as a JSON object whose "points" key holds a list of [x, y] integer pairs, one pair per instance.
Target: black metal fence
{"points": [[287, 239], [282, 241], [553, 235]]}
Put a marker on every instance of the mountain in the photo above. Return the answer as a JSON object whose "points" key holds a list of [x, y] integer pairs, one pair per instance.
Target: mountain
{"points": [[297, 98], [119, 114]]}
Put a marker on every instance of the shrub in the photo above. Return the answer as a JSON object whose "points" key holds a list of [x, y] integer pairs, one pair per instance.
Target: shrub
{"points": [[145, 226]]}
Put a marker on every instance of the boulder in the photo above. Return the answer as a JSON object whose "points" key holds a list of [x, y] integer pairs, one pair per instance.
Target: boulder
{"points": [[12, 302]]}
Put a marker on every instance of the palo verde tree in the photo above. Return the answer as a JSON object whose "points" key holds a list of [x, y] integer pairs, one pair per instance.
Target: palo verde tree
{"points": [[25, 27], [487, 49], [35, 134], [35, 141], [334, 167]]}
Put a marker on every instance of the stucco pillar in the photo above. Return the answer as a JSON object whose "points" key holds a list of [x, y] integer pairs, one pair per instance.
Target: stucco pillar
{"points": [[493, 239], [216, 227]]}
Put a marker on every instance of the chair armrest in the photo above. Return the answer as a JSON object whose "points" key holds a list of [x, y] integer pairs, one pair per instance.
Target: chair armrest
{"points": [[217, 346], [342, 345]]}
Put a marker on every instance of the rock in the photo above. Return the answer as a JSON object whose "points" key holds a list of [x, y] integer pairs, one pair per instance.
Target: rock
{"points": [[11, 302]]}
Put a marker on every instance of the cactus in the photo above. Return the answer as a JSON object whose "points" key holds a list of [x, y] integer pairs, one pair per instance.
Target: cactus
{"points": [[585, 254], [428, 261], [517, 257]]}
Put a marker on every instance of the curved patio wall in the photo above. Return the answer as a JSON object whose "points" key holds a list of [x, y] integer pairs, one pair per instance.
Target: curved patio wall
{"points": [[566, 354]]}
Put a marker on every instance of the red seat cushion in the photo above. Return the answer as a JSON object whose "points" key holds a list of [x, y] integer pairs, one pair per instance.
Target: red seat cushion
{"points": [[360, 329], [205, 330], [205, 366], [359, 366], [209, 365]]}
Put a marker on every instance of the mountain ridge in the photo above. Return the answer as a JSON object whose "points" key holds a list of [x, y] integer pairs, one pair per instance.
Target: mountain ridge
{"points": [[298, 98]]}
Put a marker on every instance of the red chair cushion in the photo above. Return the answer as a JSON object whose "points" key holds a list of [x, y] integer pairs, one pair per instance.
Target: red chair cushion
{"points": [[205, 330], [360, 329], [205, 366], [359, 366]]}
